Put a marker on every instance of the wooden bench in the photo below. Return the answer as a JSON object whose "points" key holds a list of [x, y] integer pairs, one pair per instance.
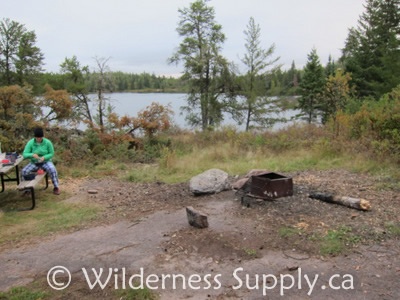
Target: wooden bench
{"points": [[29, 185]]}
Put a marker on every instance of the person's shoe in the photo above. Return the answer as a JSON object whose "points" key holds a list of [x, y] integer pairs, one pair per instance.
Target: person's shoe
{"points": [[56, 191]]}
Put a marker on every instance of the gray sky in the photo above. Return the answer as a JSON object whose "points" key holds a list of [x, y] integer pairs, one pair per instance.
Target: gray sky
{"points": [[139, 35]]}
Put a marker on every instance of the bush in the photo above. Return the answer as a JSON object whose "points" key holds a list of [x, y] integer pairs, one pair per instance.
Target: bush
{"points": [[375, 127]]}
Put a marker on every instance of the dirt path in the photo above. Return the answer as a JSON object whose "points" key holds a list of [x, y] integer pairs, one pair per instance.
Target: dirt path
{"points": [[240, 256]]}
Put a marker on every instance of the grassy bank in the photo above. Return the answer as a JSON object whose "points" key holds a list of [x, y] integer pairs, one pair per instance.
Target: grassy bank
{"points": [[179, 155], [291, 150]]}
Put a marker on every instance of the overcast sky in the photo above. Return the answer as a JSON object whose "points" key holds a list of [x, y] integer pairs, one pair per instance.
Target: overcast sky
{"points": [[139, 35]]}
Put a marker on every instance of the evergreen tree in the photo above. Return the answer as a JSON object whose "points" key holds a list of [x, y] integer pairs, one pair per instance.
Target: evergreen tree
{"points": [[291, 80], [20, 59], [256, 60], [311, 88], [205, 69], [372, 50], [330, 67]]}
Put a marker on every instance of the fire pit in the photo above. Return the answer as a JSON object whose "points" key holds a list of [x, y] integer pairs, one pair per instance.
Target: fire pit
{"points": [[267, 186], [271, 186]]}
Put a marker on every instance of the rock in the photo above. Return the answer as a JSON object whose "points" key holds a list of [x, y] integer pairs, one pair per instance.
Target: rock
{"points": [[196, 218], [243, 183], [240, 183], [92, 191], [256, 172], [209, 182]]}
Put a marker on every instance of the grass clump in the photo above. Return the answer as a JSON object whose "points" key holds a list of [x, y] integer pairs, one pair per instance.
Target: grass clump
{"points": [[22, 293], [137, 294], [337, 241], [286, 232], [393, 228]]}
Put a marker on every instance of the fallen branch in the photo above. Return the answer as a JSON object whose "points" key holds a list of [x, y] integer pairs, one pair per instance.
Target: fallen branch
{"points": [[357, 203]]}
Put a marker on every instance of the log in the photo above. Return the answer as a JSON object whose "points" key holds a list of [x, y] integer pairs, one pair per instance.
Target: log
{"points": [[356, 203], [196, 218]]}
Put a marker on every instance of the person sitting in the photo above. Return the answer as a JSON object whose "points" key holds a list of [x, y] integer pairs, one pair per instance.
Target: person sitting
{"points": [[40, 151]]}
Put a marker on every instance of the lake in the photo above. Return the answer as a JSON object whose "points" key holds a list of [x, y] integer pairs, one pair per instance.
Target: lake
{"points": [[131, 103]]}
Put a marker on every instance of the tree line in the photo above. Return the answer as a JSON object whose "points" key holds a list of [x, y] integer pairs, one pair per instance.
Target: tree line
{"points": [[369, 68]]}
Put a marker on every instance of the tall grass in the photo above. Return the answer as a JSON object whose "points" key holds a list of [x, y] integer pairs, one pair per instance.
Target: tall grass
{"points": [[296, 148], [178, 156]]}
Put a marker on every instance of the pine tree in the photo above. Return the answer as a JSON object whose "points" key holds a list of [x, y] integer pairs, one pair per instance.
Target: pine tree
{"points": [[372, 50], [20, 59], [330, 67], [204, 66], [311, 88], [256, 60]]}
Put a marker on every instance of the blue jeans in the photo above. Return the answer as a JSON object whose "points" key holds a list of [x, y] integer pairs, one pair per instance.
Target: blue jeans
{"points": [[48, 166]]}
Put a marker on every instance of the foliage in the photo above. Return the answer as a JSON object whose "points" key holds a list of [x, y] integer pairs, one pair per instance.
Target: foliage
{"points": [[371, 53], [18, 112], [20, 59], [60, 105], [143, 82], [375, 126], [205, 70], [154, 119], [311, 88], [336, 94], [256, 61], [75, 79], [280, 82]]}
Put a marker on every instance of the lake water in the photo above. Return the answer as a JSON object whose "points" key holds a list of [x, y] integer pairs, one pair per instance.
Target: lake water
{"points": [[132, 103]]}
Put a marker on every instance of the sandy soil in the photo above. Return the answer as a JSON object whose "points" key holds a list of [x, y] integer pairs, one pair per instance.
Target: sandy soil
{"points": [[270, 250]]}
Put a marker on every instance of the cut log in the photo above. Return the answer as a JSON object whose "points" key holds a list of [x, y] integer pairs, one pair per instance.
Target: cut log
{"points": [[196, 218], [357, 203]]}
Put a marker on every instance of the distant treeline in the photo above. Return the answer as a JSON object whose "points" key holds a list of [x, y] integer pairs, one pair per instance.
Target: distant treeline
{"points": [[277, 82]]}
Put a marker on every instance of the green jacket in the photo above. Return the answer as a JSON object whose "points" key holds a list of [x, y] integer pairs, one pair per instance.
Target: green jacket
{"points": [[44, 149]]}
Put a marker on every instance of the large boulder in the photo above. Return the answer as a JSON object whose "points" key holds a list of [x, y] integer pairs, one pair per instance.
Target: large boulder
{"points": [[209, 182]]}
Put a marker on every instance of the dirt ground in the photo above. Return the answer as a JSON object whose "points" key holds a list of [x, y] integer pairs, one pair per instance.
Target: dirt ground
{"points": [[269, 250]]}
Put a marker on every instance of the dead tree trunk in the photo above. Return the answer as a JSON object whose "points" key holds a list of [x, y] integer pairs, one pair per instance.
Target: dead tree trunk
{"points": [[357, 203]]}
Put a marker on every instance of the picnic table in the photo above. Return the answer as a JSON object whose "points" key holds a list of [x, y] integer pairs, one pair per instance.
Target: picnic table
{"points": [[6, 170], [25, 185]]}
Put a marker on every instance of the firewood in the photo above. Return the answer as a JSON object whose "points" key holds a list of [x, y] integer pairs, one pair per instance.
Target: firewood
{"points": [[357, 203]]}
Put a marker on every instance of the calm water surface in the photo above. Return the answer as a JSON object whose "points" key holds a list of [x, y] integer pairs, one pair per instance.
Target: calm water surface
{"points": [[132, 103]]}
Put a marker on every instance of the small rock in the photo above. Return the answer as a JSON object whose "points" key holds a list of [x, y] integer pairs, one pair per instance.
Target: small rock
{"points": [[256, 172], [92, 191], [196, 218], [239, 183], [292, 268]]}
